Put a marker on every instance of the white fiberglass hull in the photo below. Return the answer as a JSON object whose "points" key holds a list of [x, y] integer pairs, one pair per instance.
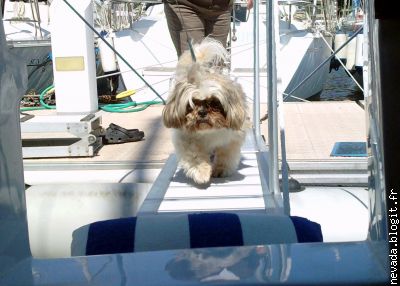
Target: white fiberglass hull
{"points": [[149, 49]]}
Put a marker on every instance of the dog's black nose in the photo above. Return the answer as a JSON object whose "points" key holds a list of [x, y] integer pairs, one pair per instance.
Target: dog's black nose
{"points": [[202, 113]]}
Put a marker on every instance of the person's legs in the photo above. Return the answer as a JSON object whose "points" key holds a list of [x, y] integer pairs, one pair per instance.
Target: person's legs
{"points": [[183, 23], [218, 26]]}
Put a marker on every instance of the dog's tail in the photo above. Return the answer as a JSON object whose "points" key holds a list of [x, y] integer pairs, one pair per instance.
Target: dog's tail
{"points": [[210, 53]]}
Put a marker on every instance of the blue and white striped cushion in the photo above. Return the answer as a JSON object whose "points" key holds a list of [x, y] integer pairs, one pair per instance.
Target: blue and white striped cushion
{"points": [[182, 231]]}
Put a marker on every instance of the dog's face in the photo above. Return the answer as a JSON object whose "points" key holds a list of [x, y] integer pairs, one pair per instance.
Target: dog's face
{"points": [[210, 101], [204, 114]]}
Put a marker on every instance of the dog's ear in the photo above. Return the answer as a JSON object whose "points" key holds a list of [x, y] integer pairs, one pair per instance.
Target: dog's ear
{"points": [[237, 117], [237, 112], [171, 114]]}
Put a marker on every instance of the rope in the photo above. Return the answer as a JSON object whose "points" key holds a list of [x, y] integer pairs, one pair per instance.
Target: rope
{"points": [[44, 105], [116, 107]]}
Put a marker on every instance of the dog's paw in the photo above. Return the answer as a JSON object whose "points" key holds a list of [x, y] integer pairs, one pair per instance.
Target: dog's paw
{"points": [[221, 171], [200, 174]]}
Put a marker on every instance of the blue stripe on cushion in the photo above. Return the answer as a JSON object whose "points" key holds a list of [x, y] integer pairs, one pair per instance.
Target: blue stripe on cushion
{"points": [[307, 230], [215, 229], [111, 236]]}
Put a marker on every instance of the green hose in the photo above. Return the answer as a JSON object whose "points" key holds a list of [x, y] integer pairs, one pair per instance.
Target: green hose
{"points": [[41, 98]]}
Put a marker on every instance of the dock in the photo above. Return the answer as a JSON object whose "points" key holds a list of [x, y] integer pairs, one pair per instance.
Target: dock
{"points": [[312, 129]]}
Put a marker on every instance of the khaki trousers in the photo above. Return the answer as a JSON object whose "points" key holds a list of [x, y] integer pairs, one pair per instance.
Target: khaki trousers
{"points": [[187, 21]]}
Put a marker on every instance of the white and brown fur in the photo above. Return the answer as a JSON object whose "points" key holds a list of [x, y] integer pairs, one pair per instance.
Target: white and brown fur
{"points": [[207, 112]]}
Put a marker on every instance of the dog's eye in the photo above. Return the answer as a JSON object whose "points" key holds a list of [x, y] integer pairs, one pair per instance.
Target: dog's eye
{"points": [[188, 108], [215, 104], [197, 102]]}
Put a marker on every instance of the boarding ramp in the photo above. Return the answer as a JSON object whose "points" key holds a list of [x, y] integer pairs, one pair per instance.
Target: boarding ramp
{"points": [[246, 190]]}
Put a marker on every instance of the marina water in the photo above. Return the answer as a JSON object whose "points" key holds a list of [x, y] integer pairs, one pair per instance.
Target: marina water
{"points": [[339, 87]]}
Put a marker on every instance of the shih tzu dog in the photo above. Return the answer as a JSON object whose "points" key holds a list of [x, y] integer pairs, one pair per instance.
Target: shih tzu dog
{"points": [[208, 114]]}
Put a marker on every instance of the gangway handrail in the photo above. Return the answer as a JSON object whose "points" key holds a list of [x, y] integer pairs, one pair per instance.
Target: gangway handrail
{"points": [[276, 97], [256, 71], [272, 39], [272, 98]]}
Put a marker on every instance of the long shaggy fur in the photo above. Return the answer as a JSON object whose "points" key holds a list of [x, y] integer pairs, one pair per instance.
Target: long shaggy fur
{"points": [[207, 111]]}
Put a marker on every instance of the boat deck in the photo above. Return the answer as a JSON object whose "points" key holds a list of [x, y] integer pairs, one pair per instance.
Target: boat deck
{"points": [[141, 177]]}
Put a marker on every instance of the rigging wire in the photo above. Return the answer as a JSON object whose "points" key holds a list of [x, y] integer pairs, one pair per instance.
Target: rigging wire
{"points": [[113, 49]]}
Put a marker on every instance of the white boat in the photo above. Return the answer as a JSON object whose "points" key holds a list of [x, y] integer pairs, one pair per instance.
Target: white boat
{"points": [[304, 45]]}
